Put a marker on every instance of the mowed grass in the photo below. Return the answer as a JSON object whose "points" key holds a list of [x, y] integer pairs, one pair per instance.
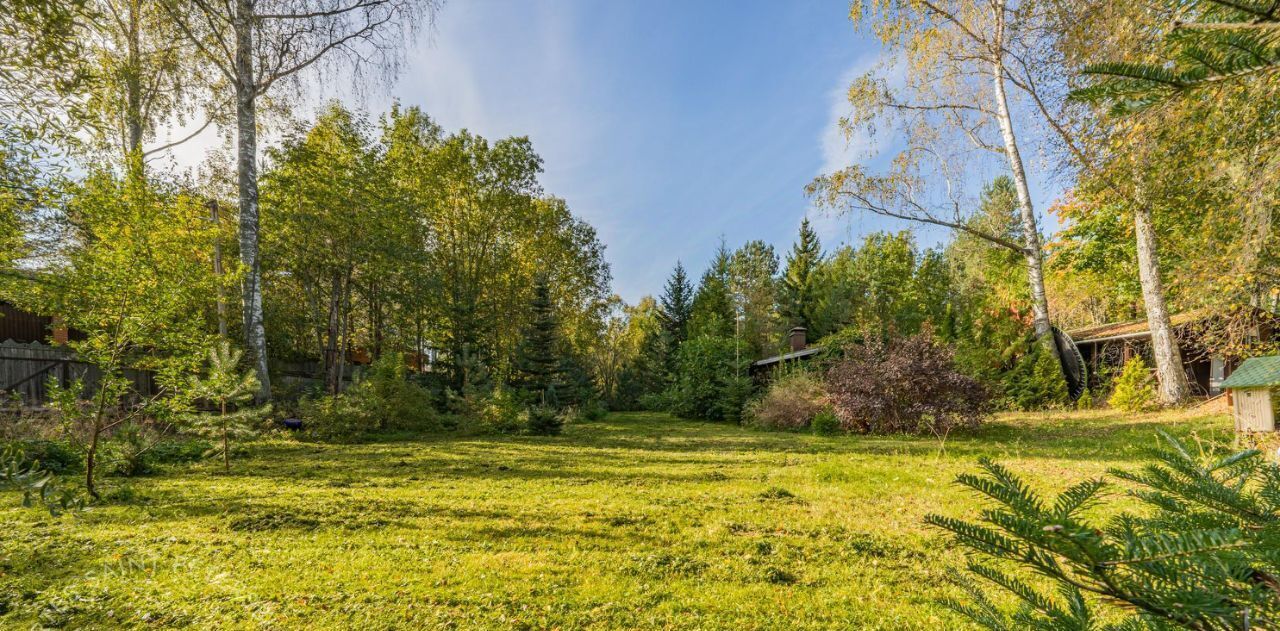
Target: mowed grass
{"points": [[636, 521]]}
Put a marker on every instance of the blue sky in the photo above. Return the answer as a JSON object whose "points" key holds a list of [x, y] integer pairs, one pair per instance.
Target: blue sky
{"points": [[665, 124]]}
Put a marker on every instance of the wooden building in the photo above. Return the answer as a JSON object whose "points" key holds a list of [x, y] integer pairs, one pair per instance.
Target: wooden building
{"points": [[800, 351], [19, 325], [34, 352], [1107, 347], [1254, 391]]}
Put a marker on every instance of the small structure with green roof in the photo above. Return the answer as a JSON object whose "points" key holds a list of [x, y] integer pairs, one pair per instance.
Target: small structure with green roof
{"points": [[1252, 390]]}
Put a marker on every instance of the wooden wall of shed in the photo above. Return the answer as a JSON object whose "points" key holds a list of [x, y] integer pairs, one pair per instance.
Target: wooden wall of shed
{"points": [[1253, 409], [25, 370], [23, 326]]}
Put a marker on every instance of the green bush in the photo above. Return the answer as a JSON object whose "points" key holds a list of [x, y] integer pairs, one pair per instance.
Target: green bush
{"points": [[544, 420], [592, 411], [54, 456], [501, 411], [385, 399], [337, 418], [126, 453], [1035, 382], [1133, 390], [826, 423], [791, 403], [397, 402], [707, 382]]}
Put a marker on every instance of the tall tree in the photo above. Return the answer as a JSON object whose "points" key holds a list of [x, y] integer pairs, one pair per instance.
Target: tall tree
{"points": [[145, 75], [1139, 158], [539, 364], [677, 304], [257, 45], [753, 271], [959, 58], [800, 281], [320, 183], [713, 307], [43, 66], [136, 280]]}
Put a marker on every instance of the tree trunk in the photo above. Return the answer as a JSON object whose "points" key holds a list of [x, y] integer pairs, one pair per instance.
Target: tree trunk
{"points": [[417, 341], [133, 83], [226, 442], [255, 334], [375, 308], [90, 462], [215, 216], [1031, 232], [332, 378], [345, 340], [1173, 379]]}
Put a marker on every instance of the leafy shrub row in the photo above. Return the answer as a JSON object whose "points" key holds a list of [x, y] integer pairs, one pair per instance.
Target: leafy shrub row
{"points": [[906, 384]]}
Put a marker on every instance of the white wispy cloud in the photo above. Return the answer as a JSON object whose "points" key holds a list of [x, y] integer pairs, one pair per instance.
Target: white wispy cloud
{"points": [[841, 150]]}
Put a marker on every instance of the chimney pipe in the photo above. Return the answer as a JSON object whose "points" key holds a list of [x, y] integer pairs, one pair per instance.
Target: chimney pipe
{"points": [[797, 338]]}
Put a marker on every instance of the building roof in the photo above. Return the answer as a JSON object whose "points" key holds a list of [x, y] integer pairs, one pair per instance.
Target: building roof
{"points": [[1132, 328], [812, 350], [1256, 372]]}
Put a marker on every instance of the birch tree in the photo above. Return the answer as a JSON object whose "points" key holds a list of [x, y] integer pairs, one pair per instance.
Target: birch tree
{"points": [[144, 75], [262, 47], [951, 106], [41, 70]]}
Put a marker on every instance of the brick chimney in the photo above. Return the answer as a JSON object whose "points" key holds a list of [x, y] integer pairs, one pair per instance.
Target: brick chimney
{"points": [[60, 333], [797, 338]]}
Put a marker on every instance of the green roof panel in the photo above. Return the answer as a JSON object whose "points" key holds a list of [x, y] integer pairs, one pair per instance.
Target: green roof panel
{"points": [[1257, 372]]}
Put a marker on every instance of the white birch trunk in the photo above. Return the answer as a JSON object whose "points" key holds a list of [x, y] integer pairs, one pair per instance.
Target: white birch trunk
{"points": [[1174, 388], [1031, 232], [255, 335]]}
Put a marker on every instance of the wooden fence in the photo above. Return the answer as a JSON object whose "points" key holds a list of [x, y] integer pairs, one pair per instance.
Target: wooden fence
{"points": [[27, 368]]}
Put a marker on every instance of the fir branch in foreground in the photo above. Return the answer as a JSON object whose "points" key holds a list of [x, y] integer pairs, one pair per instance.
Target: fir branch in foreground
{"points": [[1205, 555]]}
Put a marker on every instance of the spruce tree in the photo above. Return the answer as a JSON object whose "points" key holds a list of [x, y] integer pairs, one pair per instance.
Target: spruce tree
{"points": [[677, 304], [800, 280], [539, 362], [712, 313]]}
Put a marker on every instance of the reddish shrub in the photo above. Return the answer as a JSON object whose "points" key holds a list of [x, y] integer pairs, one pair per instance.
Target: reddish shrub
{"points": [[906, 385]]}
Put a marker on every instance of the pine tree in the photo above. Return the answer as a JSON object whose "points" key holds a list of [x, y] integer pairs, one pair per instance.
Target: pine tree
{"points": [[800, 280], [677, 304], [1205, 556], [712, 313], [539, 362], [228, 389]]}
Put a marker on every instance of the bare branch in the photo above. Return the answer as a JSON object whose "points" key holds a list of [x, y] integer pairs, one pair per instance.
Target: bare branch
{"points": [[362, 4], [862, 203]]}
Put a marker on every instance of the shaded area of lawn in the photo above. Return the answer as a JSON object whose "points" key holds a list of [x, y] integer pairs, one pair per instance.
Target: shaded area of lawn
{"points": [[639, 520]]}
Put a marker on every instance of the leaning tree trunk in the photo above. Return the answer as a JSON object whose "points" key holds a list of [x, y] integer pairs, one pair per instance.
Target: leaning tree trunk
{"points": [[1030, 231], [1173, 379], [255, 335]]}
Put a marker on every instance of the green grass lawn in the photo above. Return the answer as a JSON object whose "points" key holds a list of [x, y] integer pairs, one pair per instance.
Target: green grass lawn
{"points": [[636, 521]]}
